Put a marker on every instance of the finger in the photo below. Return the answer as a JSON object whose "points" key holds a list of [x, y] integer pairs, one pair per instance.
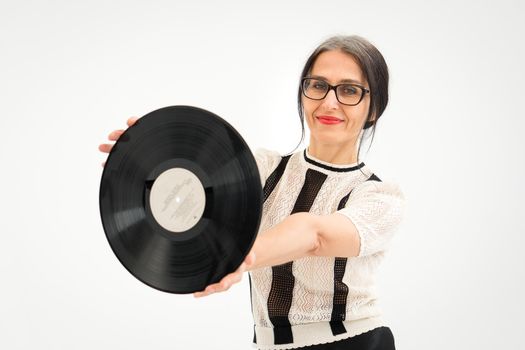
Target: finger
{"points": [[225, 286], [106, 148], [240, 270], [237, 278], [132, 121], [250, 259], [222, 286], [113, 136], [212, 288], [200, 294], [248, 262], [231, 279]]}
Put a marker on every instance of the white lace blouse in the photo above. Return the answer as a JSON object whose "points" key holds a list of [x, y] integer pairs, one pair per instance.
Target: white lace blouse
{"points": [[323, 299]]}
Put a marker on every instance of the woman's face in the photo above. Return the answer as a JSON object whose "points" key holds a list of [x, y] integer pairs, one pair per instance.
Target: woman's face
{"points": [[336, 67]]}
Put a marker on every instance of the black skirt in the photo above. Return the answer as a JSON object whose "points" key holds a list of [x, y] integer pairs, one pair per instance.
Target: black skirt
{"points": [[380, 338]]}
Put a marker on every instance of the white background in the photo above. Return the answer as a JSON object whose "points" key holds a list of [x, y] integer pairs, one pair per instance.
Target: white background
{"points": [[452, 136]]}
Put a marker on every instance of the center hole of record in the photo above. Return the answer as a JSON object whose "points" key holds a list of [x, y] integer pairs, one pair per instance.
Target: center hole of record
{"points": [[177, 199]]}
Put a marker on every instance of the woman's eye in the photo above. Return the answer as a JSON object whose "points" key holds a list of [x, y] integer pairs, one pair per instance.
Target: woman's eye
{"points": [[319, 86], [349, 90]]}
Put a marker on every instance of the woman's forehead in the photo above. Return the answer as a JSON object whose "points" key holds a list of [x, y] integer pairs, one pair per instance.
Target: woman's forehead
{"points": [[336, 67]]}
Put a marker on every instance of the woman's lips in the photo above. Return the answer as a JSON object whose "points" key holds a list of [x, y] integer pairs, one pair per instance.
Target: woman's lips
{"points": [[324, 119]]}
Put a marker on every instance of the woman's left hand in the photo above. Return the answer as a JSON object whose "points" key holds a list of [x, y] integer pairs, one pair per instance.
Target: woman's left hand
{"points": [[227, 281]]}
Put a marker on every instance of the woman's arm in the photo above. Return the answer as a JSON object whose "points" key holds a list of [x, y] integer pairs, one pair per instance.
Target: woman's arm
{"points": [[298, 236], [293, 238], [306, 234]]}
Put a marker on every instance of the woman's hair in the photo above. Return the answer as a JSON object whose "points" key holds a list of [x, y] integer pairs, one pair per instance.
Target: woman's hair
{"points": [[374, 69]]}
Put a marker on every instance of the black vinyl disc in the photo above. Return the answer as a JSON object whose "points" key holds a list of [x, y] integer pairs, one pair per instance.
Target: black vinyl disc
{"points": [[180, 199]]}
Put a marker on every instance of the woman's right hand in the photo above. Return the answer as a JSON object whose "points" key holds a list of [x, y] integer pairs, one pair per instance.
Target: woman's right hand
{"points": [[114, 136]]}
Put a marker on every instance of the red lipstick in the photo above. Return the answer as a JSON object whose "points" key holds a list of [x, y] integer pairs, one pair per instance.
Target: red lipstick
{"points": [[329, 120]]}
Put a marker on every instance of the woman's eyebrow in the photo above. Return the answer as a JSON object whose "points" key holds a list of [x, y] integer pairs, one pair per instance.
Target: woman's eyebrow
{"points": [[340, 81]]}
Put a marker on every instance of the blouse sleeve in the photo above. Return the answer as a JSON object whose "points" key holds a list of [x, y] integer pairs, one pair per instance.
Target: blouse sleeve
{"points": [[377, 210], [267, 161]]}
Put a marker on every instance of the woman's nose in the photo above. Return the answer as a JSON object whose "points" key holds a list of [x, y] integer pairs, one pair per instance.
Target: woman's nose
{"points": [[330, 100]]}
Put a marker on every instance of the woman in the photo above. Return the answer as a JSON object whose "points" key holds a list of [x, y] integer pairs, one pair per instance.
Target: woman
{"points": [[327, 219]]}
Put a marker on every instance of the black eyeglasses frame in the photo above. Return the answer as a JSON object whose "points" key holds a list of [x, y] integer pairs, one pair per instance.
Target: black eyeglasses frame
{"points": [[363, 89]]}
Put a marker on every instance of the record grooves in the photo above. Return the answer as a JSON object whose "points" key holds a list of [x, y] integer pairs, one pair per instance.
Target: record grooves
{"points": [[180, 199]]}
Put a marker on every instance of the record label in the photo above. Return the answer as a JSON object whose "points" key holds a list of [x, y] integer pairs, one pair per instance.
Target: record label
{"points": [[177, 200]]}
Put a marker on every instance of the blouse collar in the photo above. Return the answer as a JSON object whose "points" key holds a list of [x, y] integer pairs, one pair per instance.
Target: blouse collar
{"points": [[329, 166]]}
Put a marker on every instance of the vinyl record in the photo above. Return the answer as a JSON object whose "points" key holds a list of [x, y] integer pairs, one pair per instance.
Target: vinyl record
{"points": [[180, 199]]}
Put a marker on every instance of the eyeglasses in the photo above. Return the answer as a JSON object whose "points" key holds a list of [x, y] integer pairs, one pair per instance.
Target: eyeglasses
{"points": [[346, 93]]}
